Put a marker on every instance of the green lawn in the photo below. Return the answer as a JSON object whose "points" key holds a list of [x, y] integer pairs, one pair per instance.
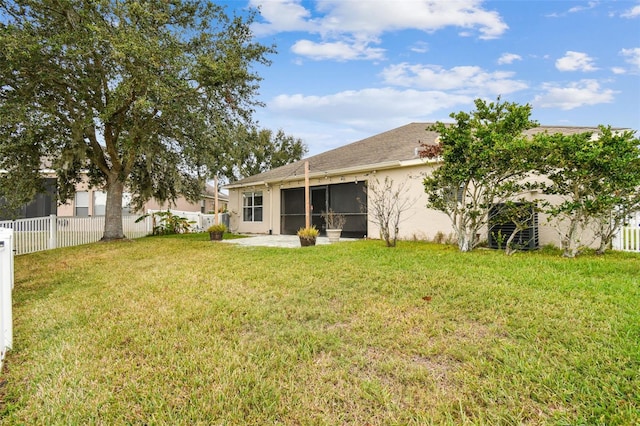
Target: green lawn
{"points": [[181, 330]]}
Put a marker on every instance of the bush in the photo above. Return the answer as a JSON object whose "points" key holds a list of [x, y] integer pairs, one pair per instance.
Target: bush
{"points": [[221, 227]]}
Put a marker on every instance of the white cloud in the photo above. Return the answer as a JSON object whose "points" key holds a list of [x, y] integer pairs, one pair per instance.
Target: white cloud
{"points": [[618, 70], [575, 9], [282, 15], [339, 20], [420, 47], [574, 95], [632, 56], [427, 15], [332, 120], [361, 108], [509, 58], [575, 61], [589, 5], [463, 79], [340, 50], [634, 12]]}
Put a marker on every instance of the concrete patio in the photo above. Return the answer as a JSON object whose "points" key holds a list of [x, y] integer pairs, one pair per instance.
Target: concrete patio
{"points": [[289, 241]]}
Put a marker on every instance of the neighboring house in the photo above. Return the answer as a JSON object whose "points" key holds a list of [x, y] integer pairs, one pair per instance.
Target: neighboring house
{"points": [[44, 204], [273, 202], [92, 202], [205, 205]]}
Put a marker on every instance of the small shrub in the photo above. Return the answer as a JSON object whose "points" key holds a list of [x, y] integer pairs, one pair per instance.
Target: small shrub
{"points": [[439, 237], [309, 233], [167, 223], [221, 227], [334, 220]]}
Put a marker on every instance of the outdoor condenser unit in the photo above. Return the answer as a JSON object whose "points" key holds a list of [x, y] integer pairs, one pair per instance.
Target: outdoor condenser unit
{"points": [[500, 229]]}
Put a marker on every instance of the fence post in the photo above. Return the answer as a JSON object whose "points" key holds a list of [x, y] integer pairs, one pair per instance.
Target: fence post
{"points": [[53, 231], [6, 287]]}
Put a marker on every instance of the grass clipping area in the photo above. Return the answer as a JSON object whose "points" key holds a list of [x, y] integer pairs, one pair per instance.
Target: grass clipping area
{"points": [[180, 330]]}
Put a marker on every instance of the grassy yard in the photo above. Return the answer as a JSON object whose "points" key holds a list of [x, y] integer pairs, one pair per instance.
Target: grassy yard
{"points": [[180, 330]]}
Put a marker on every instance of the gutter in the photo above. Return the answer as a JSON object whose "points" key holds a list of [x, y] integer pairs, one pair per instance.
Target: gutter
{"points": [[347, 170]]}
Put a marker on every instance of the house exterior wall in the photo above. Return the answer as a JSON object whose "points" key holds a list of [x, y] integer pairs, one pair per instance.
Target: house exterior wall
{"points": [[270, 210], [68, 208], [417, 222]]}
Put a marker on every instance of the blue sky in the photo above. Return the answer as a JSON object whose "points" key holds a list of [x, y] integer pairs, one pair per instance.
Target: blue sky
{"points": [[349, 69]]}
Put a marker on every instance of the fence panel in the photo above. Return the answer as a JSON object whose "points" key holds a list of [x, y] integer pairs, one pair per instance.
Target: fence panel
{"points": [[628, 236], [44, 233], [74, 231], [136, 230], [200, 221], [30, 235], [628, 239], [6, 287]]}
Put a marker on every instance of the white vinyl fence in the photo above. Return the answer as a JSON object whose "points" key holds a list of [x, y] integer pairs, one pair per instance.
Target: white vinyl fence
{"points": [[6, 288], [200, 221], [44, 233], [628, 237]]}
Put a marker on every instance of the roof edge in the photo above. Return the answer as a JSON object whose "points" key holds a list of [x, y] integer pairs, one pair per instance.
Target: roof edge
{"points": [[336, 172]]}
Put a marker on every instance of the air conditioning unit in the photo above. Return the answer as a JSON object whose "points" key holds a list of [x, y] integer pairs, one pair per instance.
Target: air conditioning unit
{"points": [[501, 228]]}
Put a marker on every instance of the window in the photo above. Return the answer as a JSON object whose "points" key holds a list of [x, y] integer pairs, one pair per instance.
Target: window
{"points": [[99, 203], [82, 203], [126, 203], [252, 206]]}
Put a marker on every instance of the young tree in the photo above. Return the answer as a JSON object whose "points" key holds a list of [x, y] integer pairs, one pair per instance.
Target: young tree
{"points": [[387, 202], [619, 196], [598, 178], [250, 151], [485, 157], [133, 94]]}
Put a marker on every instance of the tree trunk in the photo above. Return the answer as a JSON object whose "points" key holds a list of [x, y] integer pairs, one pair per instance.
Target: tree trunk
{"points": [[605, 242], [509, 250], [465, 241], [113, 214], [606, 232], [568, 240]]}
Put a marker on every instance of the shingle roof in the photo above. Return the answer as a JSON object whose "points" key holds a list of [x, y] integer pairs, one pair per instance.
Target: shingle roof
{"points": [[397, 145]]}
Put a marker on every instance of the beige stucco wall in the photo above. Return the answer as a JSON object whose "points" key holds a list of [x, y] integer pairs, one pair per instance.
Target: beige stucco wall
{"points": [[270, 210], [417, 222], [68, 209]]}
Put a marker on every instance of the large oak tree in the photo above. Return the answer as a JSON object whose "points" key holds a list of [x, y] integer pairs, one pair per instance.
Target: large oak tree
{"points": [[134, 94]]}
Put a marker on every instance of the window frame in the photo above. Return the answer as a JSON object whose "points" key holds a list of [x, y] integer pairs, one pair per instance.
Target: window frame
{"points": [[83, 203], [99, 209], [250, 209]]}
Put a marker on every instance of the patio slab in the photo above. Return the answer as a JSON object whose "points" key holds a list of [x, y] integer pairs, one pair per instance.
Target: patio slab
{"points": [[289, 241]]}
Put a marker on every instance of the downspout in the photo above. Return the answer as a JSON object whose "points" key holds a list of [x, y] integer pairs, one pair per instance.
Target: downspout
{"points": [[270, 209]]}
